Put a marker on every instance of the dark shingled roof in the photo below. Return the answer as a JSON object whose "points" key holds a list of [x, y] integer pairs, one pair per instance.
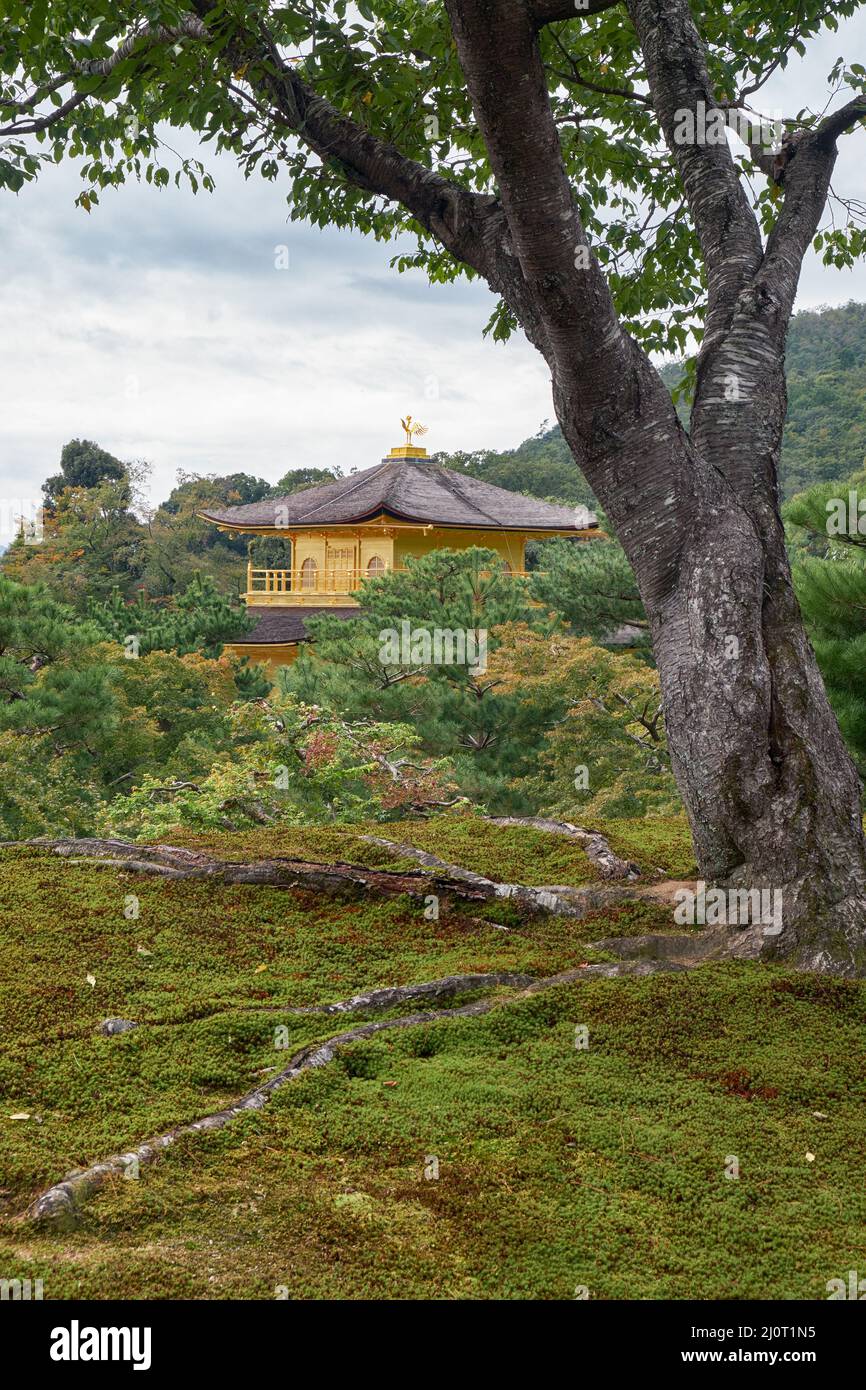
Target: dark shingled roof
{"points": [[275, 625], [408, 490]]}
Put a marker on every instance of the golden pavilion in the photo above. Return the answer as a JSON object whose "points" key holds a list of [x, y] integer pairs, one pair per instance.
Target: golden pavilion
{"points": [[345, 531]]}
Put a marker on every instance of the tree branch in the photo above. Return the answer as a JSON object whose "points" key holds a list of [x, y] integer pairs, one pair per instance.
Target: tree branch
{"points": [[841, 121], [675, 58], [807, 182], [463, 221], [621, 424], [578, 80], [148, 36], [190, 26], [498, 49], [38, 123]]}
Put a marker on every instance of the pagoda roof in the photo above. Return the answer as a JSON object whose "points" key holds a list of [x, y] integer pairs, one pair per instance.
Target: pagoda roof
{"points": [[274, 626], [410, 490]]}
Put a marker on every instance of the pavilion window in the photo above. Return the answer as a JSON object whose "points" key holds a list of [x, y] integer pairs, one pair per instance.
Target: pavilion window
{"points": [[375, 565], [309, 574]]}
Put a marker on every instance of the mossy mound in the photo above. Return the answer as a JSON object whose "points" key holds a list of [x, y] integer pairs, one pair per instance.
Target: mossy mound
{"points": [[510, 854]]}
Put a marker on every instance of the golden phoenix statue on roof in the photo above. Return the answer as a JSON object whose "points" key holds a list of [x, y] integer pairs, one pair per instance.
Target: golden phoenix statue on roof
{"points": [[413, 428]]}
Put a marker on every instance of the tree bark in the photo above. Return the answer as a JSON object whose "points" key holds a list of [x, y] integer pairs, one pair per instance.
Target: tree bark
{"points": [[772, 795]]}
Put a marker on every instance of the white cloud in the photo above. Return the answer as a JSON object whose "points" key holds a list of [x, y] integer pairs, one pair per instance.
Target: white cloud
{"points": [[160, 326]]}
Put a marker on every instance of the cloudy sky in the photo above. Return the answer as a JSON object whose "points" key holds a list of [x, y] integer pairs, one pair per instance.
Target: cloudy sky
{"points": [[160, 326]]}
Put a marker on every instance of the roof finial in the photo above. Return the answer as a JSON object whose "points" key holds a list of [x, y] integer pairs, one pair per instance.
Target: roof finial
{"points": [[412, 428]]}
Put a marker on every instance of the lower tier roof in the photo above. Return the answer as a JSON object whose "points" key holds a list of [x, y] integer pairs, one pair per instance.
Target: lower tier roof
{"points": [[275, 626]]}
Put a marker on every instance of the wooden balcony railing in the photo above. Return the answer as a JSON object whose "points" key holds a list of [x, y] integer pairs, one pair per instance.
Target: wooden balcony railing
{"points": [[318, 581], [300, 581]]}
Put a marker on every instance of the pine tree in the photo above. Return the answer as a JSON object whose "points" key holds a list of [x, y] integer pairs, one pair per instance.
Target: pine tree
{"points": [[80, 723], [382, 664], [604, 751], [55, 701], [592, 585], [198, 619]]}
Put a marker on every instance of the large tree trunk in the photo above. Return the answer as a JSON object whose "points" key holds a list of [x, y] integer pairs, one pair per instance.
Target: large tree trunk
{"points": [[772, 795]]}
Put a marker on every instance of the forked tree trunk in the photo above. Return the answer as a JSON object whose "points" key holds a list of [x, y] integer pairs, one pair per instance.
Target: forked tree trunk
{"points": [[772, 795]]}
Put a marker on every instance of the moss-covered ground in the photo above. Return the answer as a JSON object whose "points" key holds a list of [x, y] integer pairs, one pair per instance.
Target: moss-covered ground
{"points": [[511, 854], [607, 1167]]}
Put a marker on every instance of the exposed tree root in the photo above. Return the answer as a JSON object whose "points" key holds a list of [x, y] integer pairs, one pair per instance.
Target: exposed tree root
{"points": [[560, 900], [597, 848], [168, 861], [374, 1001], [377, 1000], [59, 1206], [451, 882], [343, 879], [639, 956], [689, 948]]}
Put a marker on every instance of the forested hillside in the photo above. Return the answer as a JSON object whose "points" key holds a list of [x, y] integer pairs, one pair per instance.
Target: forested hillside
{"points": [[826, 366]]}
